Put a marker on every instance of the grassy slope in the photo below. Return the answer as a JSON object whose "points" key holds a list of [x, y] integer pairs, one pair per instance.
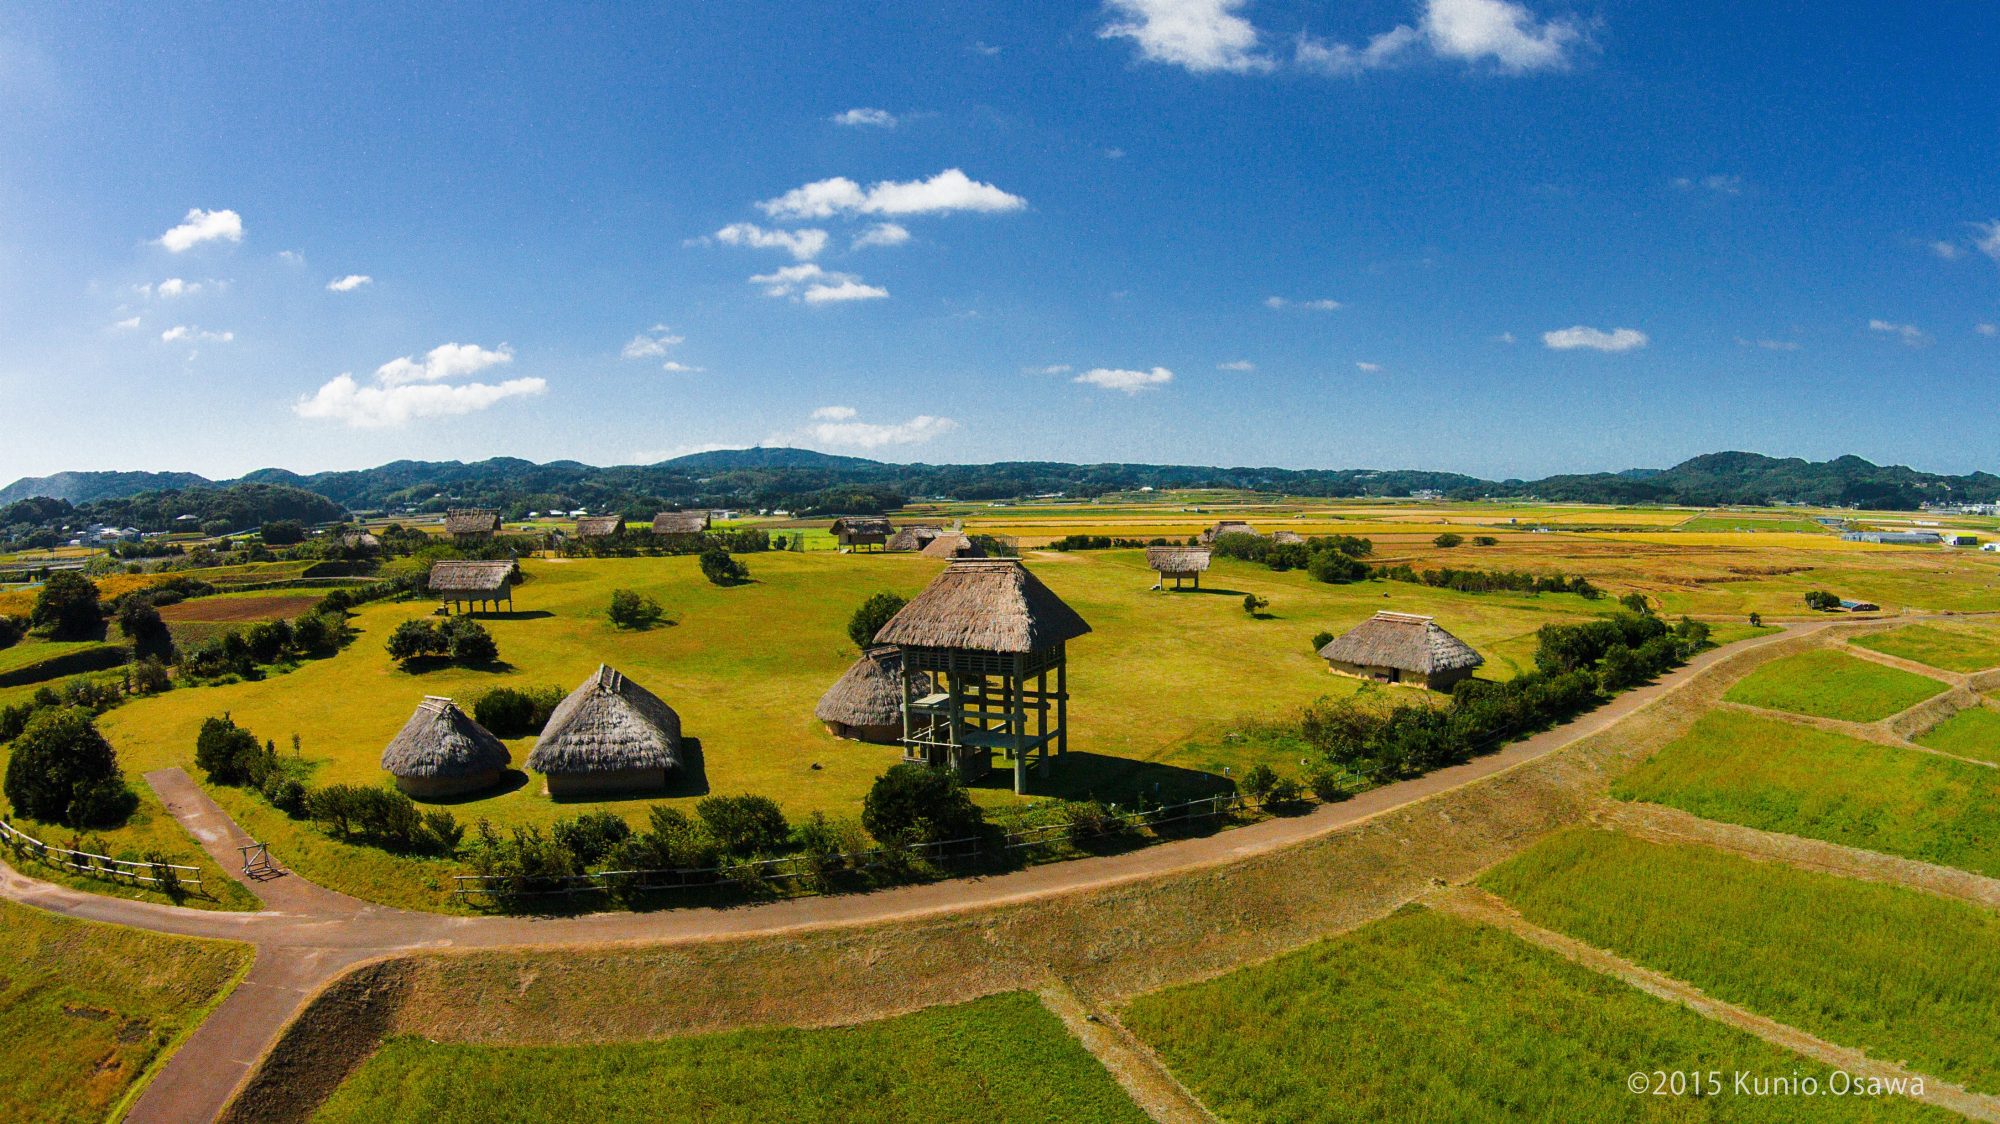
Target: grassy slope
{"points": [[1777, 776], [1003, 1058], [1832, 684], [1973, 732], [35, 650], [1426, 1017], [1899, 973], [1953, 649], [87, 1009]]}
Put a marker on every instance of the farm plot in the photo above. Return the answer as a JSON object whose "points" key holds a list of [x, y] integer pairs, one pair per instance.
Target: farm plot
{"points": [[1973, 732], [1953, 649], [1831, 684], [1777, 776], [244, 608], [1899, 973]]}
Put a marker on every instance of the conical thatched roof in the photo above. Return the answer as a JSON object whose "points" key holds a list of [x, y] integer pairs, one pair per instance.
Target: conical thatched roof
{"points": [[1177, 559], [1404, 641], [870, 693], [951, 544], [607, 725], [441, 740], [984, 605], [913, 537]]}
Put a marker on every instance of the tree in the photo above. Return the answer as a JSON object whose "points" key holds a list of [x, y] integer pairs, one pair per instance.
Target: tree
{"points": [[917, 803], [228, 753], [140, 622], [718, 567], [467, 641], [1820, 601], [283, 532], [1337, 567], [1258, 780], [871, 616], [67, 606], [1637, 603], [1484, 540], [1321, 639], [1756, 620], [63, 771], [1448, 540], [1253, 604], [415, 640], [630, 609], [268, 640], [745, 825]]}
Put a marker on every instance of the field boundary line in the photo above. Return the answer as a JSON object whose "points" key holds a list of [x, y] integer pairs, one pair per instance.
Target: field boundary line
{"points": [[1146, 1079], [1874, 733], [1473, 904]]}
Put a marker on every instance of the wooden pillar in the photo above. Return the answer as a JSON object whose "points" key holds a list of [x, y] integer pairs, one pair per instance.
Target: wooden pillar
{"points": [[1062, 703]]}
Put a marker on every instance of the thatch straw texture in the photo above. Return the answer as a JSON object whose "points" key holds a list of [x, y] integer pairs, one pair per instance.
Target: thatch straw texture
{"points": [[861, 525], [984, 605], [1227, 527], [1404, 641], [1287, 538], [442, 741], [360, 540], [916, 536], [599, 526], [471, 521], [680, 522], [951, 544], [1178, 559], [609, 724], [870, 693], [470, 577]]}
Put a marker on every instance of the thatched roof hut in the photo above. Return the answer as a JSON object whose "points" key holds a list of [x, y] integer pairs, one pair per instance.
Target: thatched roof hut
{"points": [[984, 605], [1287, 538], [952, 544], [472, 522], [1227, 527], [609, 736], [360, 540], [442, 752], [1178, 563], [866, 703], [676, 523], [472, 583], [599, 526], [912, 537], [861, 530], [1402, 648]]}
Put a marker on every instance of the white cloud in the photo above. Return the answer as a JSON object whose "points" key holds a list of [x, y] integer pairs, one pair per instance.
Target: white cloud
{"points": [[880, 118], [1114, 154], [949, 190], [1321, 305], [815, 285], [986, 49], [181, 333], [1909, 334], [803, 245], [835, 413], [1130, 382], [1342, 59], [1371, 368], [348, 283], [1051, 369], [842, 290], [1987, 329], [446, 361], [1719, 184], [1986, 236], [1949, 251], [175, 287], [882, 234], [1469, 31], [203, 226], [1504, 337], [680, 368], [1203, 36], [651, 344], [1617, 339], [127, 325], [1769, 345], [291, 257], [1236, 365], [839, 426]]}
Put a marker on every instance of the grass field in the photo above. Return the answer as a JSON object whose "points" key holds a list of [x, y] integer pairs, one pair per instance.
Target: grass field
{"points": [[1833, 684], [34, 650], [1973, 732], [1897, 972], [1962, 649], [87, 1010], [1425, 1017], [1777, 776], [1000, 1059]]}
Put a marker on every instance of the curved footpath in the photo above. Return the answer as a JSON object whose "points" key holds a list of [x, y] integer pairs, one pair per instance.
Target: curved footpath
{"points": [[307, 934]]}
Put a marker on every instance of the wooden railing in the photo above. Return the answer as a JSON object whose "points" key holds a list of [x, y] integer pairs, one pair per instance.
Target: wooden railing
{"points": [[101, 866]]}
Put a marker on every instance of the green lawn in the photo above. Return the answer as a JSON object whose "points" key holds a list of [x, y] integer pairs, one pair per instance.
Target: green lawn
{"points": [[1005, 1058], [1899, 973], [1832, 684], [1973, 732], [88, 1010], [1421, 1016], [1777, 776], [1954, 649]]}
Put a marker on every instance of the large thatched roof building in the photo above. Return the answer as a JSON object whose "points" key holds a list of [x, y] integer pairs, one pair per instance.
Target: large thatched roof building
{"points": [[472, 523], [1402, 648], [1227, 527], [472, 586], [609, 737], [952, 544], [680, 524], [913, 537], [600, 526], [1177, 562], [861, 530], [866, 703], [1287, 538], [441, 752]]}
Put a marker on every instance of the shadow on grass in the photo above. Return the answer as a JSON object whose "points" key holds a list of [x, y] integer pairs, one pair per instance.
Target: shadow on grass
{"points": [[1096, 776], [511, 615]]}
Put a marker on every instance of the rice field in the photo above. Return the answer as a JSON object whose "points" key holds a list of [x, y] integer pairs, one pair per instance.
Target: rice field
{"points": [[1832, 684], [1960, 648]]}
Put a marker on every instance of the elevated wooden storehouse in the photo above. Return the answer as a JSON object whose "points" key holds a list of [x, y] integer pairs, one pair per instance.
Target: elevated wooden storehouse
{"points": [[610, 737], [913, 537], [1227, 527], [861, 530], [990, 635], [473, 587], [472, 524], [866, 703], [441, 753], [1402, 648], [600, 526], [1180, 563], [680, 528], [952, 544]]}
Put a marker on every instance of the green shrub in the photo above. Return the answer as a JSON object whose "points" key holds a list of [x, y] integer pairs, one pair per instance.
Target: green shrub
{"points": [[228, 753], [744, 825], [516, 712], [721, 569], [1257, 781], [417, 639], [62, 771], [149, 677], [1448, 540], [268, 640], [590, 836], [1321, 639], [633, 610], [918, 803], [467, 641], [871, 616], [67, 606]]}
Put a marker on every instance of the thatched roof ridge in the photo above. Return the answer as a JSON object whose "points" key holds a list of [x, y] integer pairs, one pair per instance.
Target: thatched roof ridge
{"points": [[1404, 641], [608, 724], [471, 521], [914, 536], [984, 605], [1178, 559], [441, 740], [599, 526], [1228, 527], [1287, 537], [680, 522], [360, 540], [469, 577], [862, 525], [952, 544], [870, 693]]}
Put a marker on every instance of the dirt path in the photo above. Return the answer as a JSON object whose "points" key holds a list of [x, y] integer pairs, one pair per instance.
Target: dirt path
{"points": [[1475, 904], [1135, 1068]]}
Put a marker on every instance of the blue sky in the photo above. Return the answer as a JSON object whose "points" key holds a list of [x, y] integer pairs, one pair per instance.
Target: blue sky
{"points": [[1506, 239]]}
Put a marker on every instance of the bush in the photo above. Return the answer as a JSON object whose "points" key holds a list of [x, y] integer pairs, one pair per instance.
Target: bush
{"points": [[283, 532], [590, 836], [1336, 567], [149, 677], [268, 640], [1448, 540], [823, 846], [386, 818], [11, 630], [1485, 540], [516, 712], [67, 606], [415, 640], [526, 862], [1820, 601], [718, 567], [1328, 785], [1321, 639], [744, 825], [467, 641], [1253, 604], [1085, 820], [1756, 620], [320, 631], [63, 771], [228, 753], [1284, 792], [918, 803], [286, 794], [871, 616], [139, 621], [1258, 781], [630, 609]]}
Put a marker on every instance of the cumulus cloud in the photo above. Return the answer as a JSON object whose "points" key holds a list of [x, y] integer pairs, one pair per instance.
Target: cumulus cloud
{"points": [[1617, 339], [879, 118], [804, 245], [1769, 345], [1371, 368], [1203, 36], [1986, 237], [1129, 382], [1236, 365], [882, 234], [949, 190], [409, 389], [182, 333], [1987, 329], [810, 283], [1909, 334], [1949, 251], [1471, 31], [348, 283], [843, 289], [1340, 58], [203, 226], [651, 343], [127, 324], [175, 287], [1321, 305], [680, 368], [1051, 369], [841, 426], [835, 413]]}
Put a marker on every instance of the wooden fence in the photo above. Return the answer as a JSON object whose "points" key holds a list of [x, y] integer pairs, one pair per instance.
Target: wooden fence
{"points": [[101, 866]]}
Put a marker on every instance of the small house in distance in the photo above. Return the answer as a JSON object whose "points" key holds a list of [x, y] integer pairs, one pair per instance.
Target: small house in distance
{"points": [[472, 524], [1226, 527], [1402, 648], [609, 737], [600, 526], [913, 537], [1859, 606], [682, 528], [861, 530], [866, 704], [472, 587], [1287, 538], [1177, 562], [952, 544], [441, 752]]}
